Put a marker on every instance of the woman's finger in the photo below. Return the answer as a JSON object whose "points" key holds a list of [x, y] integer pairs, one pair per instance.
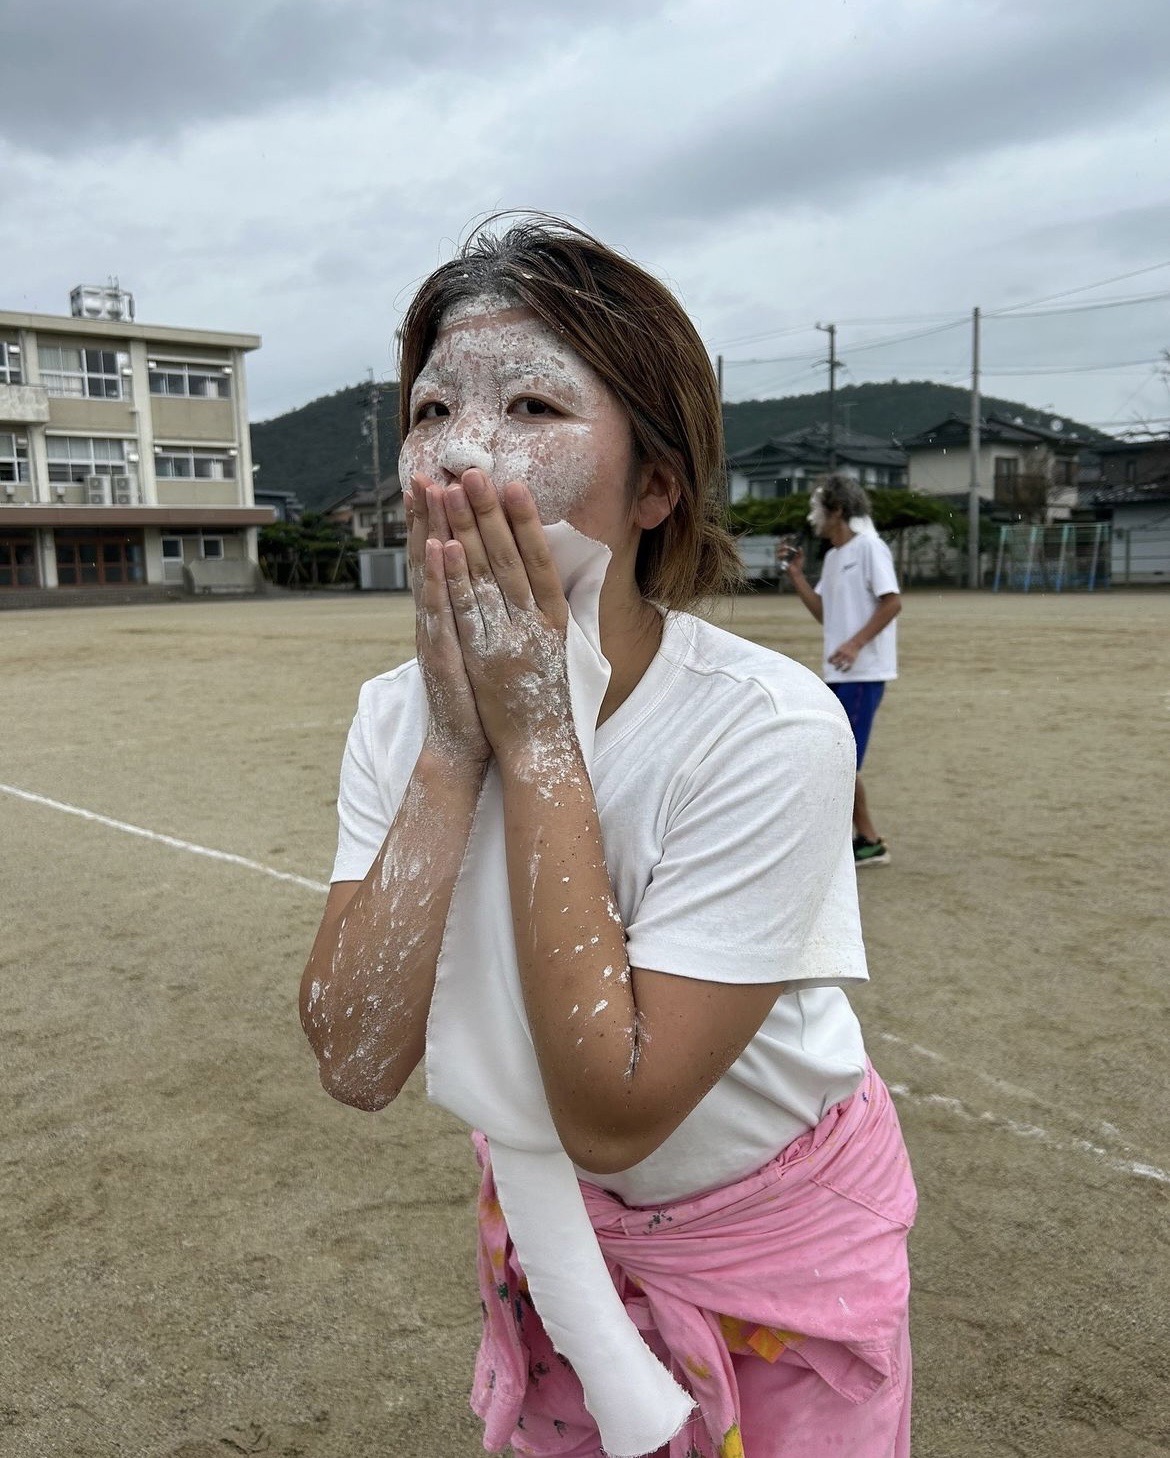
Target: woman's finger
{"points": [[506, 564], [437, 526], [532, 544], [436, 602], [464, 602], [465, 529], [416, 538]]}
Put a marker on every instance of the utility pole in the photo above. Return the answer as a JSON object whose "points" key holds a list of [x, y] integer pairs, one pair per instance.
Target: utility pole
{"points": [[719, 375], [834, 366], [975, 444], [380, 539]]}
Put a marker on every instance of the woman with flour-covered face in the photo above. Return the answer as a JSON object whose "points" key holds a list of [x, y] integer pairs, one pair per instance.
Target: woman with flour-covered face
{"points": [[595, 864]]}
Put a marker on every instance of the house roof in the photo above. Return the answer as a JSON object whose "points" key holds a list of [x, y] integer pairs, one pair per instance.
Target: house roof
{"points": [[956, 429], [1158, 446], [1131, 495], [810, 446], [1150, 460], [364, 496]]}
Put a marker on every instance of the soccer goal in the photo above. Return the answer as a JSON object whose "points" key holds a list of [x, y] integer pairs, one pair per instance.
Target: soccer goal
{"points": [[1068, 556]]}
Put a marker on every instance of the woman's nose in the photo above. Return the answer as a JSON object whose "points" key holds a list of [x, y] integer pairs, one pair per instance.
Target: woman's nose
{"points": [[466, 444]]}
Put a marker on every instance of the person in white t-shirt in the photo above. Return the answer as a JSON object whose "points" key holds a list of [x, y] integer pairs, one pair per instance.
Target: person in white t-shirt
{"points": [[680, 903], [857, 600]]}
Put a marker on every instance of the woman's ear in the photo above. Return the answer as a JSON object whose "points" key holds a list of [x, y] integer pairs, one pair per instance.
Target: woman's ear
{"points": [[657, 497]]}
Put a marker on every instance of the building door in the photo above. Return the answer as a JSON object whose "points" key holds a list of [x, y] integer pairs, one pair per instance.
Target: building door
{"points": [[172, 557], [99, 559], [18, 562]]}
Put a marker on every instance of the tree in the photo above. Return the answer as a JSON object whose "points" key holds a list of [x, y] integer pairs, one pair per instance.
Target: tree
{"points": [[894, 510], [308, 553]]}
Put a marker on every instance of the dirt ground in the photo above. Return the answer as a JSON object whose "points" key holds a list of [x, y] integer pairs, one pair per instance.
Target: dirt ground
{"points": [[203, 1256]]}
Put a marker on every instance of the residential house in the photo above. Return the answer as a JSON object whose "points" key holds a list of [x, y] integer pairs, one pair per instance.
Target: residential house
{"points": [[358, 513], [1132, 493], [124, 449], [286, 505], [788, 464], [1024, 470]]}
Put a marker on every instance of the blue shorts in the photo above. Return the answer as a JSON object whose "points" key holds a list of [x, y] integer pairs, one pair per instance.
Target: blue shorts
{"points": [[860, 701]]}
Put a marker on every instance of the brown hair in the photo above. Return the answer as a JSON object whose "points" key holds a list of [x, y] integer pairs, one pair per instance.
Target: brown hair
{"points": [[633, 332]]}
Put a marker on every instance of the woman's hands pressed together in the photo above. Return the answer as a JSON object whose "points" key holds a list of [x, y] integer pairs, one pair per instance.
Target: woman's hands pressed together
{"points": [[493, 598], [454, 733]]}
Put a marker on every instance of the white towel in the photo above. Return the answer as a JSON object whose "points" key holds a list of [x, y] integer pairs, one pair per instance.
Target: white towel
{"points": [[481, 1065]]}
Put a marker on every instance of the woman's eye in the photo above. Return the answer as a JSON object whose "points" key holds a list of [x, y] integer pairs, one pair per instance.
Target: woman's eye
{"points": [[432, 410], [529, 405]]}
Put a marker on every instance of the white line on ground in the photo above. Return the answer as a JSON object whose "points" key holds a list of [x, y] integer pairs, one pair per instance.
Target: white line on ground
{"points": [[1103, 1131], [1030, 1131], [900, 1090], [171, 840]]}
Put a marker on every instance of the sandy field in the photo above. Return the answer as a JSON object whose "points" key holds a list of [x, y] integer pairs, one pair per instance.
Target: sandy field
{"points": [[203, 1256]]}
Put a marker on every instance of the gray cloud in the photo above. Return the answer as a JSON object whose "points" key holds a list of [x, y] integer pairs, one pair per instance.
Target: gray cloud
{"points": [[76, 75], [889, 113]]}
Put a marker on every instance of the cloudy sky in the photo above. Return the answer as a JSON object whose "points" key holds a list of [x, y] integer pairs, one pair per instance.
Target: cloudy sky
{"points": [[294, 167]]}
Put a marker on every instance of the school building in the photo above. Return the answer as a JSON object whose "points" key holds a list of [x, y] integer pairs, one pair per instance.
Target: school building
{"points": [[125, 461]]}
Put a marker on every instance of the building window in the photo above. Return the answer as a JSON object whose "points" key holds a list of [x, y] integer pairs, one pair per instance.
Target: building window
{"points": [[72, 457], [190, 380], [172, 549], [213, 548], [11, 368], [1007, 478], [84, 374], [1063, 471], [1131, 472], [189, 463], [13, 457]]}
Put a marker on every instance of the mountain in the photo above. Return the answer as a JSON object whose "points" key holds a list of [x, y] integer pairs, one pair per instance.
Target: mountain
{"points": [[321, 450], [891, 410]]}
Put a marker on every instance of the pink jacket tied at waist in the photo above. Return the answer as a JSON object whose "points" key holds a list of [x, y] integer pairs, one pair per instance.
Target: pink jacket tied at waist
{"points": [[807, 1252]]}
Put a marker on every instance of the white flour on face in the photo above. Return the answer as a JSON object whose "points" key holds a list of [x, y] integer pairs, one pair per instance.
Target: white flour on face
{"points": [[501, 392]]}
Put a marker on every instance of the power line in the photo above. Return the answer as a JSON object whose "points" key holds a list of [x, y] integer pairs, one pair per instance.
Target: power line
{"points": [[1084, 288], [861, 322], [906, 338], [1132, 364], [1088, 308], [1012, 310], [768, 334]]}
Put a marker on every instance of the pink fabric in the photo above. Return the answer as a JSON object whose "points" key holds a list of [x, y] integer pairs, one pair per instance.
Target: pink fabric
{"points": [[779, 1301]]}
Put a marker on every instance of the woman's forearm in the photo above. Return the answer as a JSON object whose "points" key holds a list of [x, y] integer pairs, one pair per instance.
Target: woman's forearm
{"points": [[366, 990], [570, 945]]}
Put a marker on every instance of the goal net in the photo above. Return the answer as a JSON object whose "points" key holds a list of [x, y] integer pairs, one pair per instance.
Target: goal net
{"points": [[1066, 556]]}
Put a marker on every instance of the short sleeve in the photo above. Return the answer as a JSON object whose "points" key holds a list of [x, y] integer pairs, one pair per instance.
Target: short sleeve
{"points": [[756, 880], [879, 567], [362, 814]]}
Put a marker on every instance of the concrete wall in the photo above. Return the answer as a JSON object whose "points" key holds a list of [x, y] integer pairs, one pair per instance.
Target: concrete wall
{"points": [[91, 417], [177, 420], [198, 493]]}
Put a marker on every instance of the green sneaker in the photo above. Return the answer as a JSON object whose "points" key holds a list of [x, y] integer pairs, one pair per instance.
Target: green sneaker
{"points": [[869, 852]]}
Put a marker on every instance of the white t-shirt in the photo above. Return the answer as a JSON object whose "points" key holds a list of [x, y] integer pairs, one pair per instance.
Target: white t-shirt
{"points": [[724, 787], [853, 577]]}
